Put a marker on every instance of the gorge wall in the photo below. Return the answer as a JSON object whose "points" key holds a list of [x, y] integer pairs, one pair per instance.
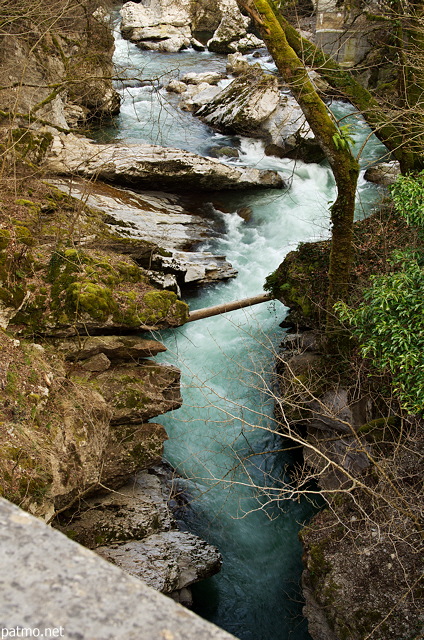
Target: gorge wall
{"points": [[79, 386]]}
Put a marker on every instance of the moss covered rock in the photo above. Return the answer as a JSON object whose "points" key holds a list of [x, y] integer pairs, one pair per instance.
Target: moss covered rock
{"points": [[63, 435]]}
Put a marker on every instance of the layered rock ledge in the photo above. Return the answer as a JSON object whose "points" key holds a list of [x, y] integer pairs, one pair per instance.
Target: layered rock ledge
{"points": [[135, 529], [159, 231], [151, 167]]}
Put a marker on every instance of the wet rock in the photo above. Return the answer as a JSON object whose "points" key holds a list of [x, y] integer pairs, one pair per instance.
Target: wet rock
{"points": [[245, 213], [253, 104], [237, 64], [384, 173], [197, 45], [167, 561], [244, 104], [224, 152], [150, 166], [176, 86], [135, 512]]}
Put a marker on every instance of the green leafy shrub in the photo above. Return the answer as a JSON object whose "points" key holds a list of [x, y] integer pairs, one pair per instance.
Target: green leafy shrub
{"points": [[389, 323], [408, 196], [390, 327]]}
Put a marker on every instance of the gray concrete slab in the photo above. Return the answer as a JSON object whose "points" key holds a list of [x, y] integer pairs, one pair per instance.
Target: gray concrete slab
{"points": [[52, 587]]}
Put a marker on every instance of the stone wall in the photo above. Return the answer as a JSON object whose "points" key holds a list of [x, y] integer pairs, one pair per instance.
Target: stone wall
{"points": [[343, 31]]}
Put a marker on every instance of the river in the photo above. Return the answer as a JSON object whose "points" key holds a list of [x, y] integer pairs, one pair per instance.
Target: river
{"points": [[218, 438]]}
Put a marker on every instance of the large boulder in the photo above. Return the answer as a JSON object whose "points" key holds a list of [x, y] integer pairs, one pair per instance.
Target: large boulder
{"points": [[384, 173], [150, 166], [168, 561], [255, 105], [244, 104], [162, 26], [233, 27], [169, 25]]}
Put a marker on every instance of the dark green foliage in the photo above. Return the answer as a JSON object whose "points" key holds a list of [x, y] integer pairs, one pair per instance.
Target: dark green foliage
{"points": [[390, 321]]}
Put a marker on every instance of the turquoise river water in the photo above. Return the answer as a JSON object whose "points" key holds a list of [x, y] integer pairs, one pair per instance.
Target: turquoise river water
{"points": [[218, 438]]}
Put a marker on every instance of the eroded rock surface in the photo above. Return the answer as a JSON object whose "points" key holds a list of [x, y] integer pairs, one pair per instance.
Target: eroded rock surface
{"points": [[167, 25], [66, 432], [150, 166], [136, 511], [135, 529], [255, 104], [162, 233], [168, 561]]}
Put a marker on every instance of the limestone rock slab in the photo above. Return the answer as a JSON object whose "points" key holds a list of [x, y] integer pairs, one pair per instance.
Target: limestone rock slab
{"points": [[163, 232], [167, 561], [151, 166], [114, 347]]}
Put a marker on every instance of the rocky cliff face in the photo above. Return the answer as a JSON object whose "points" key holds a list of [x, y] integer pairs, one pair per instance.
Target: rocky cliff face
{"points": [[170, 26], [80, 387], [361, 575], [80, 390], [135, 529], [75, 412], [56, 67]]}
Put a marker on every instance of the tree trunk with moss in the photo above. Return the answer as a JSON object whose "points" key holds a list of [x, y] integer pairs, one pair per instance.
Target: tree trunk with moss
{"points": [[335, 146], [394, 132]]}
